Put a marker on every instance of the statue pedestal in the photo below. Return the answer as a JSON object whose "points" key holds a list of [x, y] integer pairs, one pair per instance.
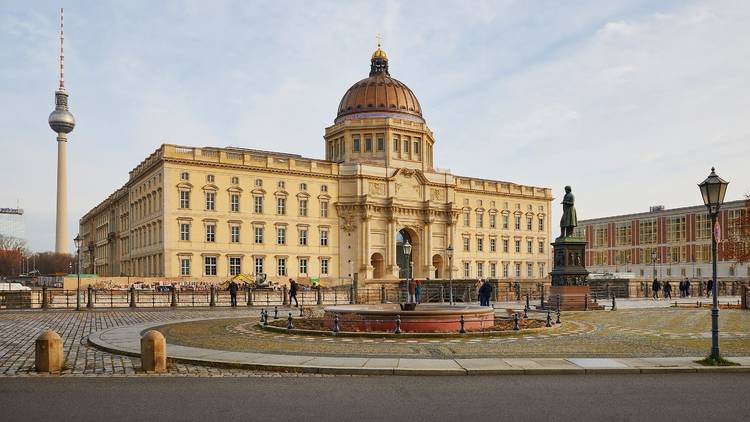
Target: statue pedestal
{"points": [[569, 275]]}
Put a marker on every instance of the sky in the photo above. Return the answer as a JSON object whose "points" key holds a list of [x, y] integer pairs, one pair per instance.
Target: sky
{"points": [[629, 102]]}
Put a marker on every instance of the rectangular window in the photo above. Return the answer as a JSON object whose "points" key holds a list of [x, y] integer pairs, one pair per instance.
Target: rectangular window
{"points": [[505, 222], [303, 187], [324, 238], [303, 266], [185, 266], [356, 144], [505, 270], [467, 219], [518, 223], [259, 235], [381, 143], [702, 227], [480, 220], [529, 247], [324, 209], [210, 265], [541, 224], [281, 267], [505, 245], [259, 266], [623, 234], [303, 237], [259, 183], [210, 201], [480, 244], [258, 204], [303, 207], [601, 236], [324, 267], [406, 145], [493, 221], [235, 265], [480, 269], [676, 229], [210, 233], [467, 244], [530, 270], [281, 236], [647, 229], [493, 270], [518, 270], [234, 203], [493, 245], [518, 246], [529, 223], [368, 144], [395, 144], [542, 274], [467, 269], [541, 246], [281, 206], [416, 148], [184, 199], [235, 234], [184, 231]]}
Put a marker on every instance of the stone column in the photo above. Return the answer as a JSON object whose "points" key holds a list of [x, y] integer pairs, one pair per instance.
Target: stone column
{"points": [[61, 229], [428, 268]]}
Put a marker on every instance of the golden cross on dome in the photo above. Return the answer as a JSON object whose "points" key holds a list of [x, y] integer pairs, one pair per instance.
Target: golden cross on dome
{"points": [[379, 38]]}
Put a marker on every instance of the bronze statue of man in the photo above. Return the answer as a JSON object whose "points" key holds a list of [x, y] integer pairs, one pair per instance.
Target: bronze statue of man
{"points": [[569, 219]]}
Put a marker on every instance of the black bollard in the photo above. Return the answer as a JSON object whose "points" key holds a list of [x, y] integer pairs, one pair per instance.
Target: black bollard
{"points": [[549, 319], [90, 302], [336, 323], [558, 316], [541, 295], [382, 294], [586, 302], [462, 330], [515, 322], [301, 314], [275, 312], [45, 298], [398, 324], [249, 296], [527, 301], [262, 316], [525, 312], [289, 325], [614, 304], [174, 297], [212, 298], [132, 297]]}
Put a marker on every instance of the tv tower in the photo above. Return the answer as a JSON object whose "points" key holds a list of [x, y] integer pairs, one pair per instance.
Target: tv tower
{"points": [[62, 122]]}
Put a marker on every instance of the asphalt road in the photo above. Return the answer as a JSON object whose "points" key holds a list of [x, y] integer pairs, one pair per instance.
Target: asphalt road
{"points": [[679, 397]]}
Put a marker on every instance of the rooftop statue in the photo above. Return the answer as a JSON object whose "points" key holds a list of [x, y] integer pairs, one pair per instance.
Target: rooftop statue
{"points": [[569, 219]]}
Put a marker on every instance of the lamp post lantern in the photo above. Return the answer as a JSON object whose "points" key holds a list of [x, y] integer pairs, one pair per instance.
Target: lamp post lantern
{"points": [[78, 240], [713, 190], [449, 252], [407, 254]]}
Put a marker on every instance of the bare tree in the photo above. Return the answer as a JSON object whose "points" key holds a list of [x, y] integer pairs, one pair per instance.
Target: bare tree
{"points": [[12, 252], [737, 245]]}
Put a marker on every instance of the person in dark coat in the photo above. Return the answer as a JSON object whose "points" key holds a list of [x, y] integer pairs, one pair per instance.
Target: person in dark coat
{"points": [[681, 286], [667, 290], [655, 287], [293, 286], [709, 288], [687, 287], [233, 287]]}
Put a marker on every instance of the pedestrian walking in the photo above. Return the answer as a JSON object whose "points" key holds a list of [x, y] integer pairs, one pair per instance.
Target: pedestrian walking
{"points": [[681, 286], [233, 287], [687, 287], [655, 287], [418, 291], [293, 286], [667, 290], [709, 287]]}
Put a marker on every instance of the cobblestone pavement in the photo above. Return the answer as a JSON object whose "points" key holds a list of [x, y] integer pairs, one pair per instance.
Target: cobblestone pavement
{"points": [[18, 330], [649, 332]]}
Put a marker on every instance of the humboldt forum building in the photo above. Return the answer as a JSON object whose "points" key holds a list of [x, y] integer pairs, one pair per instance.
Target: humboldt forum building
{"points": [[206, 214]]}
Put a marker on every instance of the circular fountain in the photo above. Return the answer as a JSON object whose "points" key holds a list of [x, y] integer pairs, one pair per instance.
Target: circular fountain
{"points": [[425, 318]]}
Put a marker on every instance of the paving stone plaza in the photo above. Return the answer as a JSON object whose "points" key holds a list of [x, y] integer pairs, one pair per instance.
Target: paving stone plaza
{"points": [[638, 331]]}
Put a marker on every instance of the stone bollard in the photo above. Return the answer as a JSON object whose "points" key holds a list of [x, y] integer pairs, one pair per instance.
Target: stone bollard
{"points": [[549, 319], [90, 301], [515, 322], [45, 298], [132, 297], [398, 325], [174, 297], [153, 352], [336, 323], [249, 296], [48, 355], [289, 325], [614, 304], [462, 330], [212, 298]]}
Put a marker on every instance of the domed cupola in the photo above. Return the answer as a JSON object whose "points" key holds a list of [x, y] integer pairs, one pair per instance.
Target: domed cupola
{"points": [[379, 95]]}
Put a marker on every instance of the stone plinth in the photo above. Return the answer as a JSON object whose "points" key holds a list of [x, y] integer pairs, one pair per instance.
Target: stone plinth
{"points": [[572, 298]]}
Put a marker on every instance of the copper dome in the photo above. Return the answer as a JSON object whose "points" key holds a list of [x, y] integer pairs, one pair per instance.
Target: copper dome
{"points": [[379, 94]]}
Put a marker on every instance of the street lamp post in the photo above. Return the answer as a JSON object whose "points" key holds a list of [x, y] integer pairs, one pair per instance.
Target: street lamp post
{"points": [[713, 190], [407, 254], [77, 240], [449, 252]]}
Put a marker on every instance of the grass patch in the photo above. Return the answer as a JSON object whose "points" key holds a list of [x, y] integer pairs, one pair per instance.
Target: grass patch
{"points": [[710, 361]]}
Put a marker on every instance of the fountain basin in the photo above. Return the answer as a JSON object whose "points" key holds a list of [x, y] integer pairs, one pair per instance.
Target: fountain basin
{"points": [[425, 318]]}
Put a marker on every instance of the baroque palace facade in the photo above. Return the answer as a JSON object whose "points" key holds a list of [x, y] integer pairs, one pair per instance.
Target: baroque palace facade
{"points": [[209, 213]]}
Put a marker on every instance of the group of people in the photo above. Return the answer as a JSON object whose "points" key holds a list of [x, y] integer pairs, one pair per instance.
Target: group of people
{"points": [[234, 288], [484, 291], [684, 287]]}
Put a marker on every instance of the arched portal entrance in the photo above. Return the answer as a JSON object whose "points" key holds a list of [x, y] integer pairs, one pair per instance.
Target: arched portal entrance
{"points": [[401, 237], [437, 262], [378, 265]]}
